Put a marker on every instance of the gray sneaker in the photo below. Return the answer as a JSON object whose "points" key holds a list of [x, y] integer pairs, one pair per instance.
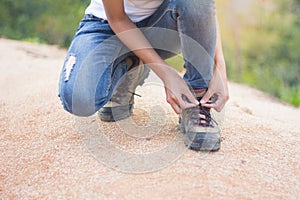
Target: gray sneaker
{"points": [[121, 104], [201, 130]]}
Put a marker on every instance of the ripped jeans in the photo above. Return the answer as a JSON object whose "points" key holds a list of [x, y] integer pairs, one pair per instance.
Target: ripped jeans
{"points": [[95, 61]]}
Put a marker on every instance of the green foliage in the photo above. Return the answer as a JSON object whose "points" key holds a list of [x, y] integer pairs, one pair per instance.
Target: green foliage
{"points": [[261, 39], [262, 49], [50, 21], [16, 15], [176, 62]]}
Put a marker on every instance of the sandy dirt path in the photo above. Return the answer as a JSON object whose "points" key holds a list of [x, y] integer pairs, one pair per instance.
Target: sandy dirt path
{"points": [[47, 153]]}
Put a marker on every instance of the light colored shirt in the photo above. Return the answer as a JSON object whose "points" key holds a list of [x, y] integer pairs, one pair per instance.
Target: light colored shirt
{"points": [[136, 10]]}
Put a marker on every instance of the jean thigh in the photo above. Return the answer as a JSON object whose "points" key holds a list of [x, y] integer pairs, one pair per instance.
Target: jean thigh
{"points": [[85, 78]]}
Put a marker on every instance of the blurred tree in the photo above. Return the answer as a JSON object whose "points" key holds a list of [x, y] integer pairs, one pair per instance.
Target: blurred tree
{"points": [[262, 44], [59, 23], [261, 38], [17, 17], [52, 21]]}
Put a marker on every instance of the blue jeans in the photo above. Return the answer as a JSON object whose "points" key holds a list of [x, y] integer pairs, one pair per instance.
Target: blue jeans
{"points": [[95, 61]]}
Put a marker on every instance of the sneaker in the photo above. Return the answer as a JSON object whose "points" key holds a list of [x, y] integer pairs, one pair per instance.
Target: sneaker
{"points": [[201, 130], [121, 104]]}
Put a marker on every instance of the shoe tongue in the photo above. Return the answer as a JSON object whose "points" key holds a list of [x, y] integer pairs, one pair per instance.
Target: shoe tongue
{"points": [[135, 61], [199, 93]]}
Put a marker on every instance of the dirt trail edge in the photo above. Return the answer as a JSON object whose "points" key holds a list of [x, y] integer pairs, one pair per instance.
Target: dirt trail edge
{"points": [[43, 154]]}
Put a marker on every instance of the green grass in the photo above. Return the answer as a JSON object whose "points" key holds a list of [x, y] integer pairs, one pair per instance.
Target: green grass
{"points": [[176, 62], [291, 95], [34, 40]]}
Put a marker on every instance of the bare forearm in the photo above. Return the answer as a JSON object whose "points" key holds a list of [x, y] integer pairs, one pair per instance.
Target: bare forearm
{"points": [[218, 84], [135, 40], [219, 56]]}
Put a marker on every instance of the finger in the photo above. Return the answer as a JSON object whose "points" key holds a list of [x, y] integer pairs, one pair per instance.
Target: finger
{"points": [[186, 103], [206, 98], [175, 107], [217, 105], [190, 98], [171, 99], [209, 105]]}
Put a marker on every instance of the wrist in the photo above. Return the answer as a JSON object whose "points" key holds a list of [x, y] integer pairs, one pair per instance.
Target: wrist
{"points": [[219, 57], [220, 70]]}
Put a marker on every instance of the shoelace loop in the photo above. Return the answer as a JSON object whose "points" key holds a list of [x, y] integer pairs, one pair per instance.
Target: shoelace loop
{"points": [[201, 116]]}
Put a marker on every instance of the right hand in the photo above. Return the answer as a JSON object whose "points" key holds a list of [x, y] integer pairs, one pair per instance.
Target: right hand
{"points": [[178, 94]]}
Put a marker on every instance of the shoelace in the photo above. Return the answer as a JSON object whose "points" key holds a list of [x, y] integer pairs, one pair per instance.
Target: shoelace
{"points": [[201, 116], [123, 94], [135, 94]]}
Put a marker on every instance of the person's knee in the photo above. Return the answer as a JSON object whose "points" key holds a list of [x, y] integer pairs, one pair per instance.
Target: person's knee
{"points": [[201, 7], [83, 106], [83, 87], [76, 103], [64, 95]]}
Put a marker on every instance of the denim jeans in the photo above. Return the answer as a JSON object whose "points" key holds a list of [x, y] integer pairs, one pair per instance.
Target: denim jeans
{"points": [[95, 61]]}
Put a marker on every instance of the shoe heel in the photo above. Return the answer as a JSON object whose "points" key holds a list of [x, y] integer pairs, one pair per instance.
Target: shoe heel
{"points": [[114, 114]]}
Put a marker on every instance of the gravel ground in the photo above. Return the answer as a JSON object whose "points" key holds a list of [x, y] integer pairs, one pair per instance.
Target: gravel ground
{"points": [[47, 153]]}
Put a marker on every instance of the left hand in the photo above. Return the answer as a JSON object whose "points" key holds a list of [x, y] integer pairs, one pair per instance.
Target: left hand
{"points": [[218, 89], [217, 94]]}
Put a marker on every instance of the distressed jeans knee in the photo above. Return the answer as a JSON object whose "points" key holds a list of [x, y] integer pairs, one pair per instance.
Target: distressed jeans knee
{"points": [[93, 66], [84, 86]]}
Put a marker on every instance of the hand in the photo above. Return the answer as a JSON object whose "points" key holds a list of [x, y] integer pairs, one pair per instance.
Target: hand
{"points": [[217, 94], [178, 93]]}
